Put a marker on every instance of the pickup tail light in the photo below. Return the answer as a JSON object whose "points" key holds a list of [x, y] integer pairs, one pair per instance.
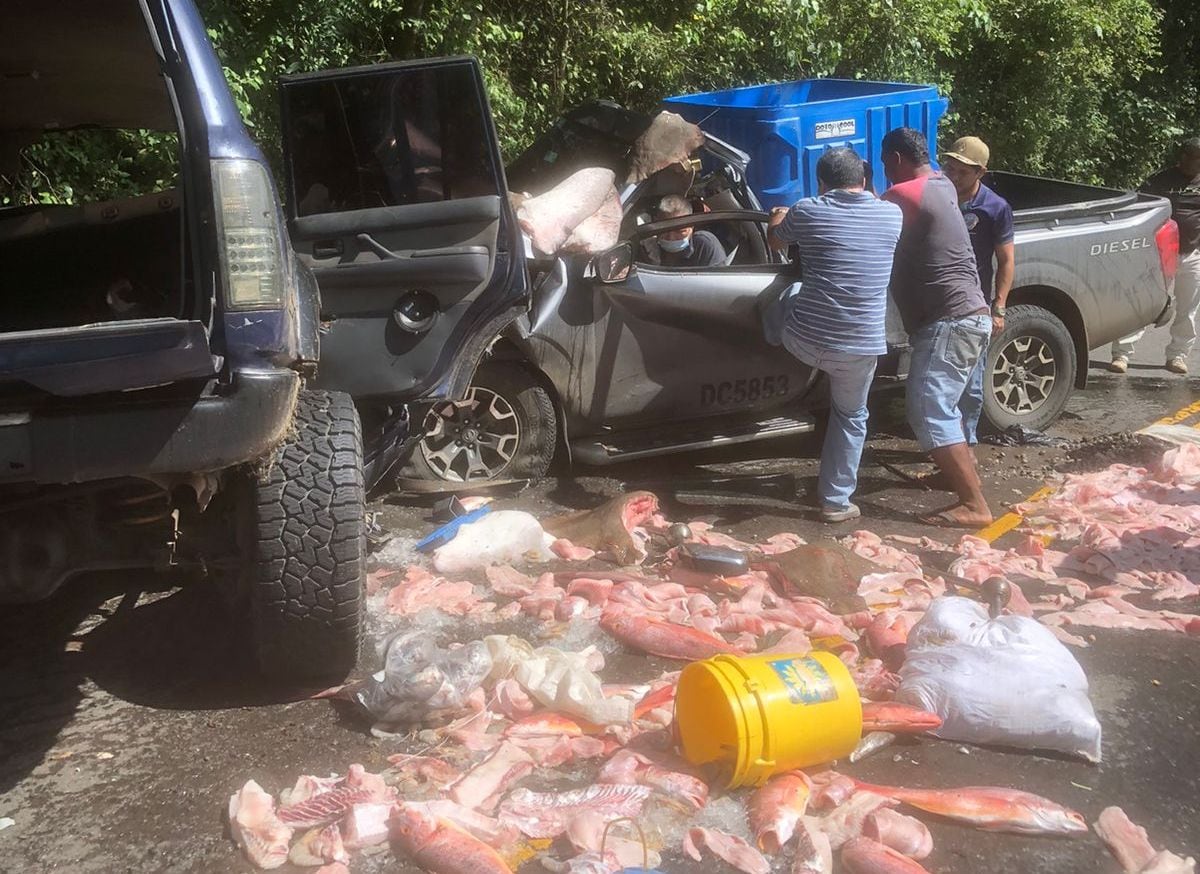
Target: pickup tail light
{"points": [[248, 235], [1167, 240]]}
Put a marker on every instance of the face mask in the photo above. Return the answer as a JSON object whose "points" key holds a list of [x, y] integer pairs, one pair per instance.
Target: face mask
{"points": [[675, 245]]}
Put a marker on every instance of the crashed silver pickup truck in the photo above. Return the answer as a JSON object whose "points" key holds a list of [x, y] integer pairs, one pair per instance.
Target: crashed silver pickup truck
{"points": [[618, 359]]}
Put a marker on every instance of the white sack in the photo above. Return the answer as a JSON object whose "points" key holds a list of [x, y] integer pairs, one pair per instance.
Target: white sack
{"points": [[500, 537], [1006, 681]]}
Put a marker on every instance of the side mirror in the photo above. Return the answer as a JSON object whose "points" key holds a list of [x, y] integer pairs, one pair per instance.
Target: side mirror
{"points": [[615, 265]]}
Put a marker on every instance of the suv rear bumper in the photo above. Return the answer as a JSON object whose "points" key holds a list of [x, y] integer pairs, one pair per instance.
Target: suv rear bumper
{"points": [[216, 430]]}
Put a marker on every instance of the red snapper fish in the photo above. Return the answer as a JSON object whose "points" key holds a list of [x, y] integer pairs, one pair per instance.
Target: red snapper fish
{"points": [[897, 718], [440, 847], [777, 808], [661, 638], [865, 856], [989, 808]]}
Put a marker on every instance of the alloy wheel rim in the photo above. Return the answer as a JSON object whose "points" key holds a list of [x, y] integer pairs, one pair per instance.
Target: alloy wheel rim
{"points": [[1024, 375], [473, 439]]}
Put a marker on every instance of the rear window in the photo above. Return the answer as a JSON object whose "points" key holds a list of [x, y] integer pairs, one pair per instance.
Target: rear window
{"points": [[386, 139]]}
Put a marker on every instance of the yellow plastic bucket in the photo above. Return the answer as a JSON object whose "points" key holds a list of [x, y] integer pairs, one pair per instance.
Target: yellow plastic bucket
{"points": [[755, 716]]}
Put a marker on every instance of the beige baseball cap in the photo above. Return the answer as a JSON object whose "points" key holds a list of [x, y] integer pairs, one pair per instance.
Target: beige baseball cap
{"points": [[970, 150]]}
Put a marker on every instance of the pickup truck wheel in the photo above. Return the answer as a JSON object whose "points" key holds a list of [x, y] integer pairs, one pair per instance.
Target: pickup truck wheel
{"points": [[505, 428], [302, 532], [1030, 370]]}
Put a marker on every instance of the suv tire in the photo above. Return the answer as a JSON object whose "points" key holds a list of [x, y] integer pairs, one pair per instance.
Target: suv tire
{"points": [[511, 432], [1030, 370], [302, 537]]}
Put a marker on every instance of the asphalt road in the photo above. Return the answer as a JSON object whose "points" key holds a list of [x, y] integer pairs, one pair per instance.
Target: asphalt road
{"points": [[127, 716]]}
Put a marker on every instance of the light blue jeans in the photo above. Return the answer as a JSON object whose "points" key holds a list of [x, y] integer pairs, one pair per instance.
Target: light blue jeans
{"points": [[849, 384], [944, 356], [971, 404]]}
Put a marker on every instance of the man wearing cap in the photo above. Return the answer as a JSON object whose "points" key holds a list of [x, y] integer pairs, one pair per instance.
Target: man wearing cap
{"points": [[989, 221], [1181, 185]]}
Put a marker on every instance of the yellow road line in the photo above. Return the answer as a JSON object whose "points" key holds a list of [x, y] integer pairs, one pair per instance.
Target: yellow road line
{"points": [[1009, 521], [1180, 415]]}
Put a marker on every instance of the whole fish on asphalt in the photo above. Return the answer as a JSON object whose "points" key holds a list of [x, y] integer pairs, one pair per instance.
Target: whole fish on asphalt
{"points": [[827, 571], [440, 847], [609, 527], [989, 808], [661, 638]]}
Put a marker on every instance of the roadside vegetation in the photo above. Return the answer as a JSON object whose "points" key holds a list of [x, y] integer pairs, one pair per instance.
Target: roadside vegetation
{"points": [[1088, 90]]}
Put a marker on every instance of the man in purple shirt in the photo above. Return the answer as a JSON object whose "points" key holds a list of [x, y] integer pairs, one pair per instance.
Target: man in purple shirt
{"points": [[989, 221]]}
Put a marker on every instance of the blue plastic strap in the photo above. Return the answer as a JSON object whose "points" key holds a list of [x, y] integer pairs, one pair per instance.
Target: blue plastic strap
{"points": [[446, 533]]}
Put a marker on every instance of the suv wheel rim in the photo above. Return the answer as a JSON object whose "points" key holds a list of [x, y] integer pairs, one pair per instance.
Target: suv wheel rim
{"points": [[472, 439], [1024, 374]]}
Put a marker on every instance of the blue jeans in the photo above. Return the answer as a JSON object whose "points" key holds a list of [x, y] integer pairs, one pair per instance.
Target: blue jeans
{"points": [[972, 401], [944, 357], [849, 384]]}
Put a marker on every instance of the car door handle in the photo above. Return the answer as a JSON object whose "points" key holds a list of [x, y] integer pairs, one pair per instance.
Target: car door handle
{"points": [[328, 249], [378, 248]]}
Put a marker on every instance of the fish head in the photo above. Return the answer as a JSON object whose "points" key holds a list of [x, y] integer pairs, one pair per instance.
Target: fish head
{"points": [[411, 826], [1060, 820]]}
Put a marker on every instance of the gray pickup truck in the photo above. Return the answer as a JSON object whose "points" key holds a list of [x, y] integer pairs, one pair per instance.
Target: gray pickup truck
{"points": [[619, 359]]}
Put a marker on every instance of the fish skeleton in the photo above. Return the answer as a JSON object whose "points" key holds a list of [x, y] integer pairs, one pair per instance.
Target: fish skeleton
{"points": [[865, 856], [547, 814], [827, 571], [897, 718], [777, 808], [990, 808], [661, 638], [324, 808], [440, 847]]}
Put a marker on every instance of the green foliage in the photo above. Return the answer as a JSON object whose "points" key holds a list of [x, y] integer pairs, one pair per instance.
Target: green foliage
{"points": [[1093, 90]]}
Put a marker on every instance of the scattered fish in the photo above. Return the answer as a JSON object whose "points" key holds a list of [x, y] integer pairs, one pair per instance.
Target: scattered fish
{"points": [[989, 808], [902, 833], [318, 846], [256, 828], [547, 814], [865, 856], [1131, 847], [898, 718], [827, 571], [628, 767], [729, 848], [871, 744], [609, 527], [777, 808], [661, 638], [440, 847], [814, 854]]}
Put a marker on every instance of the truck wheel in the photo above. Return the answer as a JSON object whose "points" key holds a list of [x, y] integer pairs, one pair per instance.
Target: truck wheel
{"points": [[505, 428], [1030, 370], [302, 532]]}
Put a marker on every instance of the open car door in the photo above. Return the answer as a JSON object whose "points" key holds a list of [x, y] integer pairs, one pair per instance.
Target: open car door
{"points": [[397, 200]]}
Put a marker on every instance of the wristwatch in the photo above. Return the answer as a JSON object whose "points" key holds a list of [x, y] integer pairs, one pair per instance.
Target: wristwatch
{"points": [[997, 310]]}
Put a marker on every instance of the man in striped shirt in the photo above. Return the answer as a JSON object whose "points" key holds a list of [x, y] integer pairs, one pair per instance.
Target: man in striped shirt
{"points": [[846, 239]]}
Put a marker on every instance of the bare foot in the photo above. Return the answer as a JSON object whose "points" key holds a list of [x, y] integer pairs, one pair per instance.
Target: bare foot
{"points": [[958, 516]]}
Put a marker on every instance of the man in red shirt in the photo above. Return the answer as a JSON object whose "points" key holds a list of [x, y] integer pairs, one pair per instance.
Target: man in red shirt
{"points": [[935, 284]]}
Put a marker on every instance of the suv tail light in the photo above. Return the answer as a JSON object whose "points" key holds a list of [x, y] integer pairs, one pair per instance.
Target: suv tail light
{"points": [[248, 235], [1167, 240]]}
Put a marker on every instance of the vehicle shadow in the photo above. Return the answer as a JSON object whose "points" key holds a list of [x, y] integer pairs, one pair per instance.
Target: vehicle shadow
{"points": [[140, 639]]}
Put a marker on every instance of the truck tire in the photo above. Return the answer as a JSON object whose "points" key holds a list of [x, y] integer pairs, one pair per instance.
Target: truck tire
{"points": [[303, 545], [505, 428], [1030, 370]]}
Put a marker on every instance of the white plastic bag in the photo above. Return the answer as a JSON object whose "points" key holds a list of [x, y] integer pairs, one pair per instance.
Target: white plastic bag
{"points": [[500, 537], [558, 680], [1006, 681]]}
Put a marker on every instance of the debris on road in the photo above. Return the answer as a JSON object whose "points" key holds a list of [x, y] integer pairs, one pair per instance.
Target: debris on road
{"points": [[535, 708]]}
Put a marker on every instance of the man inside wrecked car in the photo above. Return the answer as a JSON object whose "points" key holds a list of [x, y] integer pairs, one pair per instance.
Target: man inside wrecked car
{"points": [[684, 247], [935, 284], [846, 238]]}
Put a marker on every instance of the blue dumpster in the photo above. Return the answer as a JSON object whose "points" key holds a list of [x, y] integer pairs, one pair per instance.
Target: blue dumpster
{"points": [[785, 126]]}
